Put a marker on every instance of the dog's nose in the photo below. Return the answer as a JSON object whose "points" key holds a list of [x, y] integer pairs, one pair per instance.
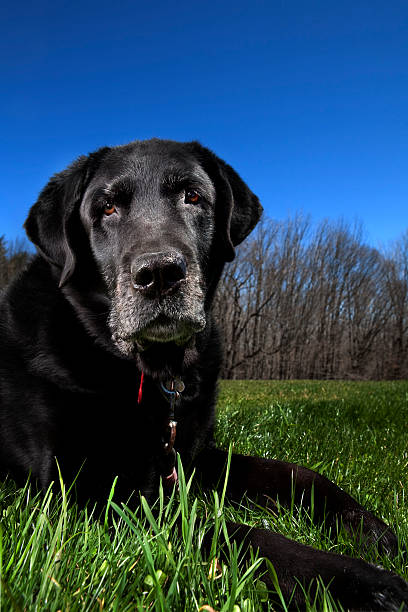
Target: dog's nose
{"points": [[158, 274]]}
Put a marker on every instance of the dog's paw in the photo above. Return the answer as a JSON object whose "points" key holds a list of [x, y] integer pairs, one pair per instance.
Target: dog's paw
{"points": [[373, 532], [358, 585], [390, 592]]}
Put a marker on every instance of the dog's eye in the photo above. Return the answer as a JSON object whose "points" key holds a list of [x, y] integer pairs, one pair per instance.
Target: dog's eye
{"points": [[109, 209], [192, 197]]}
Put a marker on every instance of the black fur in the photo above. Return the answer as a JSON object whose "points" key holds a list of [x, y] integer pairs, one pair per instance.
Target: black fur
{"points": [[131, 243]]}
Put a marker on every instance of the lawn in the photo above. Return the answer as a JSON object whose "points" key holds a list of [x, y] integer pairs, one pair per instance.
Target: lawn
{"points": [[55, 556]]}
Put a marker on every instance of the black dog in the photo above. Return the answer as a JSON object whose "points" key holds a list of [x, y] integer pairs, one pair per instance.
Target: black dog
{"points": [[107, 339]]}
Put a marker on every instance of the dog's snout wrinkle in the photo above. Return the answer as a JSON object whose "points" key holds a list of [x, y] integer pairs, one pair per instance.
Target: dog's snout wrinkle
{"points": [[158, 274]]}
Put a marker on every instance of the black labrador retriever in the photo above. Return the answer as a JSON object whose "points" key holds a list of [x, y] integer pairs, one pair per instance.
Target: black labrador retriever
{"points": [[110, 355]]}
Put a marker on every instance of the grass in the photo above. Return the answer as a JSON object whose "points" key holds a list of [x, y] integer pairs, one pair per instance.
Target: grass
{"points": [[56, 556]]}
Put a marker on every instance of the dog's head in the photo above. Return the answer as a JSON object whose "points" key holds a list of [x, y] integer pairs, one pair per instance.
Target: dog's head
{"points": [[148, 226]]}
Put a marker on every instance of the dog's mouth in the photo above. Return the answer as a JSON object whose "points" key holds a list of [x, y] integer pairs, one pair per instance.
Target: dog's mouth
{"points": [[159, 332], [163, 331], [163, 346]]}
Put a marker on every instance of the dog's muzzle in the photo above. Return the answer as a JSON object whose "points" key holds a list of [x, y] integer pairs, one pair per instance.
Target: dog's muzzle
{"points": [[158, 299]]}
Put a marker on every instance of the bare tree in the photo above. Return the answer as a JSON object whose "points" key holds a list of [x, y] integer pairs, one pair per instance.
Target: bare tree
{"points": [[13, 258], [314, 302], [395, 337]]}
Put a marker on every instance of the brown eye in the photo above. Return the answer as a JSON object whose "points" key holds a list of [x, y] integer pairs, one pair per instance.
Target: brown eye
{"points": [[109, 210], [192, 197]]}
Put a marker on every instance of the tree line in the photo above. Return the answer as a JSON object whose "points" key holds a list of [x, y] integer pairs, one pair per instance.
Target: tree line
{"points": [[14, 256], [304, 301]]}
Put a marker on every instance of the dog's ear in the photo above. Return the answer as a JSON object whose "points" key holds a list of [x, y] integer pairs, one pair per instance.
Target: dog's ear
{"points": [[238, 210], [50, 224], [241, 210]]}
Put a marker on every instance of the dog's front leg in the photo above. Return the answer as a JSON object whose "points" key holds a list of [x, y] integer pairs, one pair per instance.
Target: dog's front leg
{"points": [[357, 585], [264, 480]]}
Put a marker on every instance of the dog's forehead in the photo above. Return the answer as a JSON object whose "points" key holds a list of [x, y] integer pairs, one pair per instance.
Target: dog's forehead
{"points": [[152, 165]]}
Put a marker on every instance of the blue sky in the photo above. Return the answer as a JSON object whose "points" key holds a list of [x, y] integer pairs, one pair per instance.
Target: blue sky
{"points": [[308, 100]]}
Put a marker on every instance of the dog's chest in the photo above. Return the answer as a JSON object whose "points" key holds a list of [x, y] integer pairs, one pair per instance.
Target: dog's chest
{"points": [[110, 434]]}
